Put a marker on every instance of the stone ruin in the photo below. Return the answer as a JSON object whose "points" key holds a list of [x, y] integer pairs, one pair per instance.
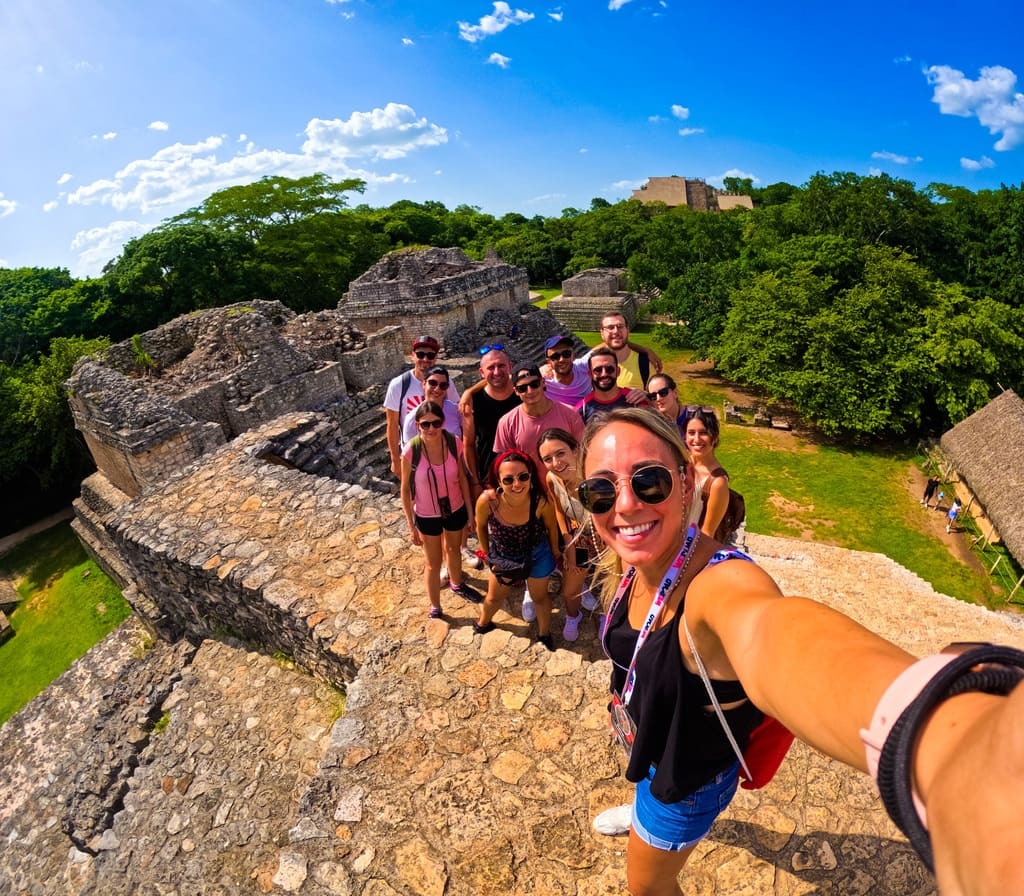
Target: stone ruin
{"points": [[433, 291], [299, 726], [589, 295]]}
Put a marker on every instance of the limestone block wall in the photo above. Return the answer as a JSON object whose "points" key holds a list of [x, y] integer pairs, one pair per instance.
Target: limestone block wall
{"points": [[585, 312], [239, 546], [594, 282], [135, 439], [381, 358]]}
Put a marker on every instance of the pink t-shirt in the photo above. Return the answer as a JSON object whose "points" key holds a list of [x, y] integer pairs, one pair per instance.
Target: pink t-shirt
{"points": [[431, 482], [519, 430]]}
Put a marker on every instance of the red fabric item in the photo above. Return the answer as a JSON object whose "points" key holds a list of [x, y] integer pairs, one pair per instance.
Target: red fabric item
{"points": [[769, 742]]}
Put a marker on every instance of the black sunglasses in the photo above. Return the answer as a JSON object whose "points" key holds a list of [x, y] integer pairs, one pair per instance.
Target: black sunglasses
{"points": [[603, 368], [430, 424], [427, 355], [560, 356], [652, 485], [484, 349], [519, 477], [437, 384], [658, 393], [523, 388]]}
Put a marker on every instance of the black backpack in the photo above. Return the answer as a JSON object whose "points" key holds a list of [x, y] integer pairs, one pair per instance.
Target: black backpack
{"points": [[735, 513]]}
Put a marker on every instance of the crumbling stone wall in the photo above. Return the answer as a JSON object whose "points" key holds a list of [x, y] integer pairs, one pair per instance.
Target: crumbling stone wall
{"points": [[433, 291]]}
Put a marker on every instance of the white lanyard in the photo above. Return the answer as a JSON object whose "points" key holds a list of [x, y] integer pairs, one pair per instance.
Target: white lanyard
{"points": [[665, 589]]}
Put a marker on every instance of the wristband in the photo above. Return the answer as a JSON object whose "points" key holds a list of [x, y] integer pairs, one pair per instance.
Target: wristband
{"points": [[905, 708]]}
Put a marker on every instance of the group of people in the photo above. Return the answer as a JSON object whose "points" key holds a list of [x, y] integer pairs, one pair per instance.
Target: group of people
{"points": [[702, 642]]}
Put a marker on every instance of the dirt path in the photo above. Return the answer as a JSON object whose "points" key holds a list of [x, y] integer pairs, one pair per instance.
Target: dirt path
{"points": [[15, 538]]}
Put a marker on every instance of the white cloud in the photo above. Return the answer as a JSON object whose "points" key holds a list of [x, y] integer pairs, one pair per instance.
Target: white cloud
{"points": [[407, 42], [85, 66], [494, 23], [547, 197], [242, 138], [109, 135], [438, 172], [184, 174], [992, 99], [499, 60], [51, 205], [895, 158], [689, 132], [874, 172], [977, 165], [583, 150], [617, 4], [388, 133], [902, 60], [627, 186], [158, 125], [40, 69], [680, 112], [63, 179], [556, 15], [98, 245], [7, 206], [655, 119]]}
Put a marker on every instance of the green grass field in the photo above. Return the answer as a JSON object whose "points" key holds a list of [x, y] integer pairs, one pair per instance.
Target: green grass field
{"points": [[67, 606]]}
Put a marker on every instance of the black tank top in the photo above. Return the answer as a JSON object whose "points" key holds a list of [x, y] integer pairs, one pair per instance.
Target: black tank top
{"points": [[674, 731]]}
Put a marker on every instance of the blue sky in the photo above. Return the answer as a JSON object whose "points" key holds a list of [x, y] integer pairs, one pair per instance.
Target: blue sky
{"points": [[117, 114]]}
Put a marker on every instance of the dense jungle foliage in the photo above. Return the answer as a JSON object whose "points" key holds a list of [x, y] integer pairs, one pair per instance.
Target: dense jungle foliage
{"points": [[878, 309]]}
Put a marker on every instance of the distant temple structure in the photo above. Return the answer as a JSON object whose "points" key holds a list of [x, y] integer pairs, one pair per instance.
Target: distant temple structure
{"points": [[693, 192]]}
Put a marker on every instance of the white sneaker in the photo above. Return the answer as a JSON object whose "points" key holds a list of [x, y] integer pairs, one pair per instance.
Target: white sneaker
{"points": [[529, 610], [572, 627], [589, 602], [614, 822], [471, 560]]}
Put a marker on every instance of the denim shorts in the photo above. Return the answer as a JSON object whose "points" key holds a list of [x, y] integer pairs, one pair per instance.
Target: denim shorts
{"points": [[543, 561], [676, 826]]}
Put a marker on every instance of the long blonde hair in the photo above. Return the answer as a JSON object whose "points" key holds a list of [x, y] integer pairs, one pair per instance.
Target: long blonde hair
{"points": [[609, 567]]}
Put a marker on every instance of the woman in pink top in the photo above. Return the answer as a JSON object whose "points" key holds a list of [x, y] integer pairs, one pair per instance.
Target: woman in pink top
{"points": [[436, 498]]}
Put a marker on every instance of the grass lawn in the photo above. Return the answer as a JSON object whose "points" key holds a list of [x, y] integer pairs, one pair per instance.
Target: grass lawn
{"points": [[68, 604]]}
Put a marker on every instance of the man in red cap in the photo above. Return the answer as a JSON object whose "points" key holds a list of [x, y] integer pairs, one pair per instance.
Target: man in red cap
{"points": [[405, 393]]}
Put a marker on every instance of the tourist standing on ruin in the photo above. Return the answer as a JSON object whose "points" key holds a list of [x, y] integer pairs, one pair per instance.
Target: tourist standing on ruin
{"points": [[634, 366], [663, 394], [606, 392], [518, 534], [482, 406], [436, 500], [568, 380], [701, 436], [435, 389], [522, 427], [692, 624], [405, 393], [558, 452]]}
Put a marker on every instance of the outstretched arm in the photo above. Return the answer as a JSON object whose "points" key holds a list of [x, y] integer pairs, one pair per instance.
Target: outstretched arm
{"points": [[822, 675]]}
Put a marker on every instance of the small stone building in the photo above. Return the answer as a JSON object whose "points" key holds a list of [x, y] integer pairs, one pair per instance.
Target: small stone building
{"points": [[987, 452], [589, 295]]}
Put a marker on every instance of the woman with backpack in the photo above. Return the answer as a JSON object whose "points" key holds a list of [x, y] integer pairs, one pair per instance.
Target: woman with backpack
{"points": [[702, 644], [436, 500], [518, 534]]}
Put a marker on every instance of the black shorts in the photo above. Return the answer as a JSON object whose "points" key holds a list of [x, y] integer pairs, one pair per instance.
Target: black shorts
{"points": [[435, 525]]}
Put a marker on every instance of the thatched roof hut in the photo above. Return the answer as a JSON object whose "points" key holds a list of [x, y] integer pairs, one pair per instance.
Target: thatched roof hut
{"points": [[987, 450]]}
